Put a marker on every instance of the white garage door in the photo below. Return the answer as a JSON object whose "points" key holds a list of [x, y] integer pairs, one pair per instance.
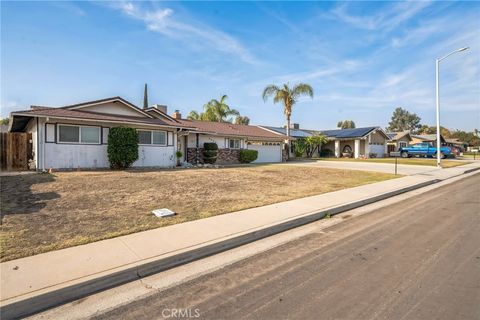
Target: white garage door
{"points": [[267, 153], [378, 149]]}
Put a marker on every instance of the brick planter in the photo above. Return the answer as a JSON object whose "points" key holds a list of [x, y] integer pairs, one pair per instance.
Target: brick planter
{"points": [[225, 156]]}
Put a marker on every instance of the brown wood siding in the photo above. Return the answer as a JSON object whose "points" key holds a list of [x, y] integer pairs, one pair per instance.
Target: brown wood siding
{"points": [[16, 150]]}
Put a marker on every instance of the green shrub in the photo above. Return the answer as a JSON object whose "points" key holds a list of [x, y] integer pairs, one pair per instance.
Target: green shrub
{"points": [[179, 154], [122, 147], [210, 146], [210, 152], [326, 153], [247, 156]]}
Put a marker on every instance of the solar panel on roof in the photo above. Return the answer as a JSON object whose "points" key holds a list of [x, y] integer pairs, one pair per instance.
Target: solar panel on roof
{"points": [[348, 133]]}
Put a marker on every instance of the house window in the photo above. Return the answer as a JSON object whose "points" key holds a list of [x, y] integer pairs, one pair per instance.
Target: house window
{"points": [[159, 137], [144, 137], [234, 143], [402, 144], [89, 134], [152, 137], [78, 134]]}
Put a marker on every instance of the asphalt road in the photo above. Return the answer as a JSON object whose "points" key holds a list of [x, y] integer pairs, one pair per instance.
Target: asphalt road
{"points": [[415, 260]]}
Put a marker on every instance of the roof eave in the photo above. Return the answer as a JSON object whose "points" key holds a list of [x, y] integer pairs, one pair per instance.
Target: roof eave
{"points": [[96, 120]]}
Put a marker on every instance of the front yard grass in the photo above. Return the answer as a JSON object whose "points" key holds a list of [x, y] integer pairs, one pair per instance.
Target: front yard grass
{"points": [[411, 161], [43, 212]]}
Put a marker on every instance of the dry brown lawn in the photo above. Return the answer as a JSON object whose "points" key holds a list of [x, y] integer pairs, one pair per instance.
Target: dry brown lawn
{"points": [[43, 212]]}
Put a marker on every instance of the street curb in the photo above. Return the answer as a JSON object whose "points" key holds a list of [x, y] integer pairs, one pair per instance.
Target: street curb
{"points": [[471, 170], [51, 299]]}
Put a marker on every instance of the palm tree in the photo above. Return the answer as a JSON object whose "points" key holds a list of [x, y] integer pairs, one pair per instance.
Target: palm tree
{"points": [[194, 115], [288, 96], [219, 110], [242, 120], [347, 124]]}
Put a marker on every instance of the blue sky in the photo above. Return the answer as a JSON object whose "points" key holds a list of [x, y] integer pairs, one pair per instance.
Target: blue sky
{"points": [[363, 59]]}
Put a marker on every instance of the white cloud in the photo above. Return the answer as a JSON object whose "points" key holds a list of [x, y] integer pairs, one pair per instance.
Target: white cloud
{"points": [[384, 20], [415, 36], [195, 34]]}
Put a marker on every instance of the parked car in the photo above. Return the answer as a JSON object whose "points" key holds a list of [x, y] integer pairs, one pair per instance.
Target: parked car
{"points": [[424, 149]]}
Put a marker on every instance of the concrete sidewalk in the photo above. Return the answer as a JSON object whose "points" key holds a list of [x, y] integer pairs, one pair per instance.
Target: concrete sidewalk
{"points": [[403, 169], [34, 283]]}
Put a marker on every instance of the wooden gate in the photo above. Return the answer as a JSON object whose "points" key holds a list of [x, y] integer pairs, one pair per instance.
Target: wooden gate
{"points": [[16, 150]]}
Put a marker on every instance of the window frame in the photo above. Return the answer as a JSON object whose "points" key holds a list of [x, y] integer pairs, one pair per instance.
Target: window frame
{"points": [[151, 144], [80, 142], [402, 144], [239, 144]]}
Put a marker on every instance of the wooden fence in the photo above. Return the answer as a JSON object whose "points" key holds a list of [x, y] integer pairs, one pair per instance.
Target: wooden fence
{"points": [[16, 150]]}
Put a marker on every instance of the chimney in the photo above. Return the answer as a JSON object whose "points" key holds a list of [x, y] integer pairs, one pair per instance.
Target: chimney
{"points": [[177, 115], [160, 107], [294, 126]]}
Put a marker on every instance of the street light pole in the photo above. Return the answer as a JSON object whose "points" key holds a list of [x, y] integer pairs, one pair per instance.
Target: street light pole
{"points": [[437, 98]]}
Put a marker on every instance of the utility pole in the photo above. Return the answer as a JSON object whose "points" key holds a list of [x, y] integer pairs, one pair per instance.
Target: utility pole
{"points": [[145, 98]]}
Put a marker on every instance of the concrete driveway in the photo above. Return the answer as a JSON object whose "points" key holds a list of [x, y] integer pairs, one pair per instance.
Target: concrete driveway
{"points": [[365, 166]]}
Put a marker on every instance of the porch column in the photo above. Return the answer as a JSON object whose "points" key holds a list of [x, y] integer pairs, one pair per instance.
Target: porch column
{"points": [[357, 149], [197, 151], [337, 148]]}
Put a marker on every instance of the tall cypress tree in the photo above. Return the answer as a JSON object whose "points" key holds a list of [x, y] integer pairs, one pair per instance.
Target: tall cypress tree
{"points": [[145, 98]]}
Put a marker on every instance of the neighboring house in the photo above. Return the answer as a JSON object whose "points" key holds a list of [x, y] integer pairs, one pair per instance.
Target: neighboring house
{"points": [[360, 142], [76, 136], [230, 138], [431, 138], [457, 146], [295, 133], [456, 143], [398, 140]]}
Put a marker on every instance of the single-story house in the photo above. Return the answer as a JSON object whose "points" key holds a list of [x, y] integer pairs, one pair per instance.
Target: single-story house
{"points": [[431, 138], [398, 140], [76, 136], [295, 133], [365, 142], [456, 143]]}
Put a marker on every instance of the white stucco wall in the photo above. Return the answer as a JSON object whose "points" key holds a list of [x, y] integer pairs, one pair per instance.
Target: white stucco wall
{"points": [[220, 141], [153, 156], [72, 156]]}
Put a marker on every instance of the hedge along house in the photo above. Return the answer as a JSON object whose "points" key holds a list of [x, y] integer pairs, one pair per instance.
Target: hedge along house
{"points": [[365, 142], [230, 139], [76, 136]]}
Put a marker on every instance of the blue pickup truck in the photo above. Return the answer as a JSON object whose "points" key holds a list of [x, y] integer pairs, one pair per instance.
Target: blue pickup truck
{"points": [[423, 149]]}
